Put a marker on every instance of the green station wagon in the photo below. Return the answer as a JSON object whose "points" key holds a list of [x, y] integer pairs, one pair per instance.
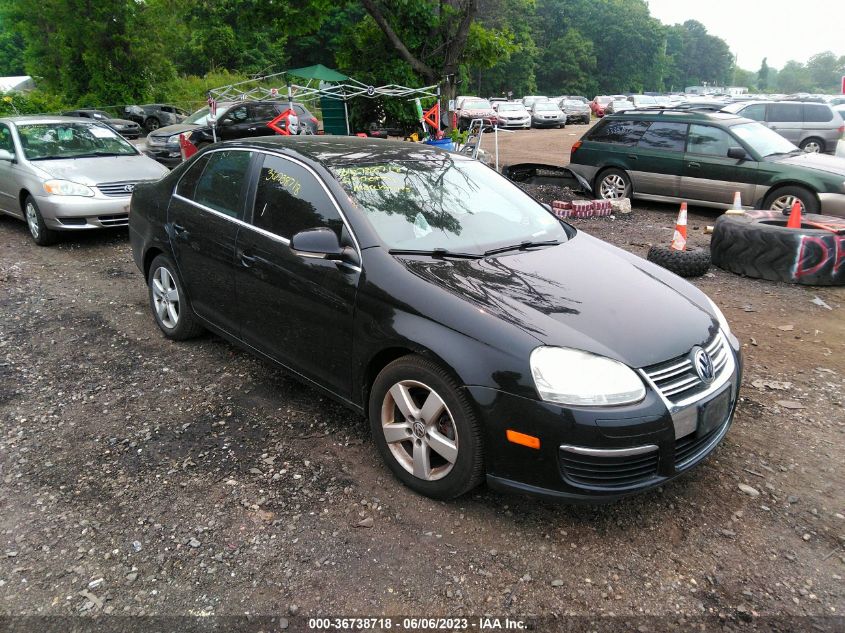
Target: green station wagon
{"points": [[703, 158]]}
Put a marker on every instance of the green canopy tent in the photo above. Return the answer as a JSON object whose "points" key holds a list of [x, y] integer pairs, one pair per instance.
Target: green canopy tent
{"points": [[334, 90]]}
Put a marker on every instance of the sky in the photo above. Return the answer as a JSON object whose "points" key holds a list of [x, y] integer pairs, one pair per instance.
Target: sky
{"points": [[778, 29]]}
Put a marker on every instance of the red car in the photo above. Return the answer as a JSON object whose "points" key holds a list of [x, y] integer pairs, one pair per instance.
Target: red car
{"points": [[599, 103]]}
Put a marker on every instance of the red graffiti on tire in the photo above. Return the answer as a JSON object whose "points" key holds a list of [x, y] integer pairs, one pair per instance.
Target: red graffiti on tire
{"points": [[816, 253]]}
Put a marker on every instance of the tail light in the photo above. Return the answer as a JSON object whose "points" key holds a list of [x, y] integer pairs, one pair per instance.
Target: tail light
{"points": [[575, 146], [314, 119]]}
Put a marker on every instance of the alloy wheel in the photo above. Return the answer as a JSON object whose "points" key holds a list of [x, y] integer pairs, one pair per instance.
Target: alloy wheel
{"points": [[419, 430], [32, 220], [784, 204], [612, 186], [165, 297]]}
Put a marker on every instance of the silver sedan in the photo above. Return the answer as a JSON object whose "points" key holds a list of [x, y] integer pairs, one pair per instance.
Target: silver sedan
{"points": [[67, 174]]}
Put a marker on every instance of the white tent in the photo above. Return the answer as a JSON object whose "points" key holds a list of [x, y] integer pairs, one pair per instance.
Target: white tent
{"points": [[23, 83]]}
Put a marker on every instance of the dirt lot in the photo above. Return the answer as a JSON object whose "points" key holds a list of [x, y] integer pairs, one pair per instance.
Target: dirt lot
{"points": [[140, 476]]}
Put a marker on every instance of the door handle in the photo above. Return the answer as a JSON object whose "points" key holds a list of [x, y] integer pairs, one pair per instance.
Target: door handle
{"points": [[694, 165], [180, 231], [247, 261], [633, 156], [252, 129]]}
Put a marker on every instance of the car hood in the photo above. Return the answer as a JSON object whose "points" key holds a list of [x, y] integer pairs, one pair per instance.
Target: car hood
{"points": [[823, 162], [121, 122], [90, 171], [478, 113], [176, 128], [584, 294]]}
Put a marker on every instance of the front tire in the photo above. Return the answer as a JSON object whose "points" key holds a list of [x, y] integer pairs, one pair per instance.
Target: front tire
{"points": [[782, 200], [169, 303], [152, 124], [612, 184], [41, 235], [425, 428]]}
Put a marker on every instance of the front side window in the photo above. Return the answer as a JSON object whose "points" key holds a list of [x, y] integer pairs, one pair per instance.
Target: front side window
{"points": [[711, 141], [457, 205], [238, 114], [666, 136], [86, 139], [6, 139], [620, 132], [755, 112], [221, 185], [290, 199]]}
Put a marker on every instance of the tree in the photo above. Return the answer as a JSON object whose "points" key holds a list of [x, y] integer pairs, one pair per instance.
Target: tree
{"points": [[763, 75], [825, 71], [793, 77], [696, 56]]}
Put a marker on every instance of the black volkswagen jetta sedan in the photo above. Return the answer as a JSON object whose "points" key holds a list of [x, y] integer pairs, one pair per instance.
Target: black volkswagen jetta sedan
{"points": [[480, 335]]}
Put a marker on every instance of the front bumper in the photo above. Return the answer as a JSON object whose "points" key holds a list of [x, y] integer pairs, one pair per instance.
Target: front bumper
{"points": [[547, 122], [168, 155], [832, 204], [525, 122], [602, 454], [74, 213]]}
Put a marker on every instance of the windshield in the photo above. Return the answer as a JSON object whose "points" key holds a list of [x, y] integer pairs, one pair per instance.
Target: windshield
{"points": [[461, 206], [572, 104], [46, 141], [98, 114], [645, 100], [510, 107], [545, 105], [621, 104], [479, 104], [763, 140], [200, 117]]}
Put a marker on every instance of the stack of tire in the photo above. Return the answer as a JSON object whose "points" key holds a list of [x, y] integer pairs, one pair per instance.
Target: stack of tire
{"points": [[759, 245]]}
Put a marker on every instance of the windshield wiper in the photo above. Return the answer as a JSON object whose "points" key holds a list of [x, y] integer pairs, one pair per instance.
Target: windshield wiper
{"points": [[437, 253], [520, 247]]}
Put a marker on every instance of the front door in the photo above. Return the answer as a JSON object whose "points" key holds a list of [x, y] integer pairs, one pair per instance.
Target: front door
{"points": [[787, 119], [235, 123], [296, 309], [8, 187], [710, 175], [202, 223]]}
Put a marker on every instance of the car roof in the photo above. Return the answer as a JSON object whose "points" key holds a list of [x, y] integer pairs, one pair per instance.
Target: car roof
{"points": [[339, 151], [44, 118], [679, 115]]}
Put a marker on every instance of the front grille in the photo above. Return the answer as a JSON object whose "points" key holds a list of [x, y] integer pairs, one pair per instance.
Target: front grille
{"points": [[121, 219], [594, 471], [688, 449], [117, 189], [677, 379]]}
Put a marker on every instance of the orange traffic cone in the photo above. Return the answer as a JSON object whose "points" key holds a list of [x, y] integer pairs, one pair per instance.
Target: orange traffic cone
{"points": [[187, 148], [736, 209], [679, 239], [794, 221]]}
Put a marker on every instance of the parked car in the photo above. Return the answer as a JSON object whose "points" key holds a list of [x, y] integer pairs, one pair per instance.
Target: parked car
{"points": [[512, 114], [599, 103], [530, 100], [474, 108], [464, 325], [643, 101], [153, 116], [703, 158], [618, 105], [68, 174], [124, 127], [583, 100], [575, 110], [814, 127], [240, 119], [547, 114]]}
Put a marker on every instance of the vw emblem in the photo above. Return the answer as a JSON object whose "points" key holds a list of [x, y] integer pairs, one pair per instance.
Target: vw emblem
{"points": [[703, 365], [129, 188], [419, 429]]}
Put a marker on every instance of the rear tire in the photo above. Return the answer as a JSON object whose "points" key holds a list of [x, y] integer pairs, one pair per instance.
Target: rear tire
{"points": [[152, 124], [812, 145], [612, 184], [41, 235], [169, 303], [425, 428]]}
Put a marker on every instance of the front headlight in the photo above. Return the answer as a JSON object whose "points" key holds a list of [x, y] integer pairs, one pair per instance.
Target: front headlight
{"points": [[570, 376], [723, 322], [174, 139], [67, 188]]}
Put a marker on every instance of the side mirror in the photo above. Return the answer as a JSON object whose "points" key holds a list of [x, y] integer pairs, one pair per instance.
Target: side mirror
{"points": [[7, 155], [319, 243], [738, 153], [225, 122]]}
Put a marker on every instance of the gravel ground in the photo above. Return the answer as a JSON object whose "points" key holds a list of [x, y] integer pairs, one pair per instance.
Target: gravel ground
{"points": [[145, 477]]}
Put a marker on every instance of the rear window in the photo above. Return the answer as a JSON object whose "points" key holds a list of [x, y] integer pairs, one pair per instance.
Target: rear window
{"points": [[665, 136], [619, 132], [785, 113], [817, 113]]}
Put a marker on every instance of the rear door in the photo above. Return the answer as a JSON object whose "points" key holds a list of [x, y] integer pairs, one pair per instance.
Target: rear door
{"points": [[819, 123], [296, 309], [660, 159], [203, 219], [787, 119], [709, 175], [261, 115]]}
